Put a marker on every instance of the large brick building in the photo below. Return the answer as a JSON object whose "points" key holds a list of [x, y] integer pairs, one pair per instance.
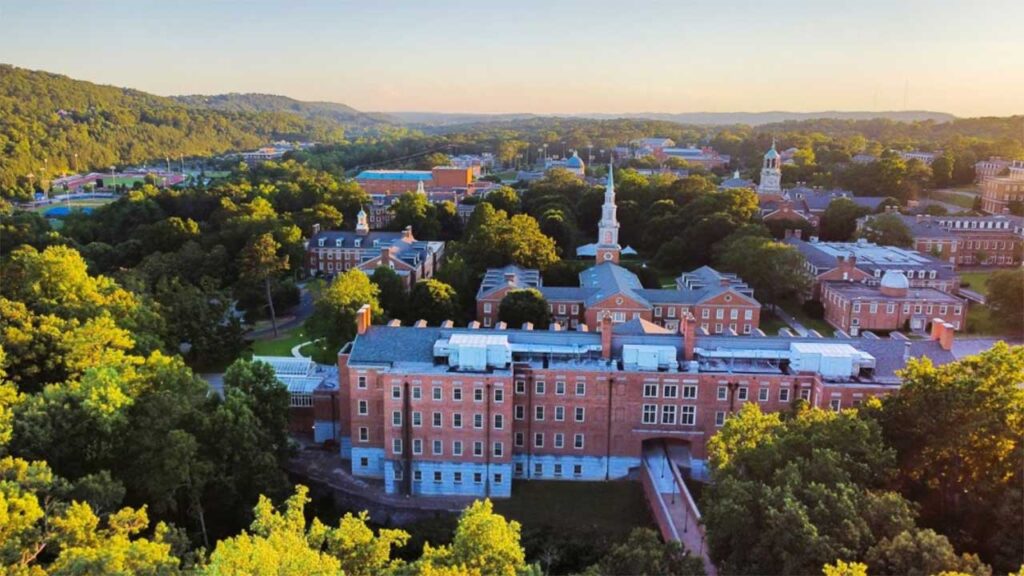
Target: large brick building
{"points": [[891, 305], [862, 261], [398, 182], [443, 410], [332, 252], [722, 303], [999, 192], [967, 240]]}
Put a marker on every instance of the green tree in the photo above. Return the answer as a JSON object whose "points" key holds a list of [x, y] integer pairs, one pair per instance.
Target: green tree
{"points": [[504, 198], [335, 306], [957, 431], [643, 553], [921, 553], [433, 301], [942, 171], [393, 295], [527, 305], [773, 269], [1005, 299], [839, 222], [259, 262], [887, 230], [484, 543], [415, 210], [840, 568]]}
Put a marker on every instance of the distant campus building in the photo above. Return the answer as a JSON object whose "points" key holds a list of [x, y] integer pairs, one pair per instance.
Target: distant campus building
{"points": [[966, 240], [998, 192], [891, 305], [333, 252], [398, 182]]}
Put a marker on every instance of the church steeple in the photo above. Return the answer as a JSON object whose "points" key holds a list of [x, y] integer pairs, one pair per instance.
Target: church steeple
{"points": [[771, 172], [362, 224], [608, 248]]}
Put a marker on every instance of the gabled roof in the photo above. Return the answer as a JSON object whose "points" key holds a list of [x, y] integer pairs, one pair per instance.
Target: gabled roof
{"points": [[608, 279], [574, 293]]}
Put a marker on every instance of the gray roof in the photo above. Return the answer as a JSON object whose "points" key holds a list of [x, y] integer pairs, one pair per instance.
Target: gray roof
{"points": [[870, 257], [574, 293], [409, 251], [496, 278]]}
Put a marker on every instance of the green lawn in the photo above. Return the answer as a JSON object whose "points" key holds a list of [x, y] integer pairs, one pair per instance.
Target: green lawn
{"points": [[797, 312], [979, 320], [976, 280], [771, 323], [961, 200], [612, 508], [280, 346], [84, 203]]}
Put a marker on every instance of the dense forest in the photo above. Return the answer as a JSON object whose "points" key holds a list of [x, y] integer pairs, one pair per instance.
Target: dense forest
{"points": [[354, 120]]}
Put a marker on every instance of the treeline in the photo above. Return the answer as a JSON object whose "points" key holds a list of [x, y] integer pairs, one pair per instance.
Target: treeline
{"points": [[48, 119]]}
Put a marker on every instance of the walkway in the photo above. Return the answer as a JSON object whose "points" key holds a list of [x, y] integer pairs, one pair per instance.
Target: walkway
{"points": [[674, 509], [788, 318], [293, 318]]}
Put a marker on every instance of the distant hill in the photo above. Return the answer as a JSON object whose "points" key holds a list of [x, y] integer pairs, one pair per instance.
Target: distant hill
{"points": [[330, 111], [698, 118], [46, 119]]}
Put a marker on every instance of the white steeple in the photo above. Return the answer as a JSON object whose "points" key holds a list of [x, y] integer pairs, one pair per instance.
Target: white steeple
{"points": [[362, 224], [608, 228], [771, 173], [419, 188]]}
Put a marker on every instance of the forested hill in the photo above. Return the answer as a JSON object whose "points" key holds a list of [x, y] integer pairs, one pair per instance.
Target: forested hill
{"points": [[332, 111], [45, 119]]}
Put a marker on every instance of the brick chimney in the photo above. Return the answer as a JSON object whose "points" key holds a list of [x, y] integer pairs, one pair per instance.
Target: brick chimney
{"points": [[407, 234], [937, 328], [606, 336], [946, 340], [363, 317], [688, 327], [385, 256]]}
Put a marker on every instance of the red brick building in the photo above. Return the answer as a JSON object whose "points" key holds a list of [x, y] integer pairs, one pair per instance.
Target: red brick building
{"points": [[398, 182], [442, 410], [892, 305], [996, 240], [998, 192]]}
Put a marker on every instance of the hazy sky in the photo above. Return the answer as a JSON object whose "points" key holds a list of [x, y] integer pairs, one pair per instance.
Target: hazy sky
{"points": [[963, 57]]}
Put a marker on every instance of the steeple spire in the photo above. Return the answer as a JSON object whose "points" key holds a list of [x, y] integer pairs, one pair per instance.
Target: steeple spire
{"points": [[362, 224], [608, 248]]}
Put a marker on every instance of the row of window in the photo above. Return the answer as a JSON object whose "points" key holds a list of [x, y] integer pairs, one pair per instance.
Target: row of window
{"points": [[556, 470], [890, 308], [558, 440], [437, 393], [909, 273], [579, 413], [541, 387], [438, 476], [437, 419], [437, 446]]}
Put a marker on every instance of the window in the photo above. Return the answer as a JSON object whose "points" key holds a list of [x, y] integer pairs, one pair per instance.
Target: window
{"points": [[364, 408], [538, 440], [581, 388], [856, 307], [741, 394], [538, 469], [719, 418], [520, 412], [688, 415], [478, 448], [559, 413], [668, 414], [497, 478], [364, 434], [539, 388], [457, 448], [748, 314], [364, 462], [361, 381], [437, 393], [580, 413], [417, 419], [670, 391], [650, 414], [705, 313], [519, 439], [437, 477], [478, 421], [499, 421], [396, 445], [478, 478], [805, 393], [518, 469], [396, 418], [657, 310], [689, 392], [457, 477], [457, 420], [538, 413], [723, 393], [577, 441], [417, 392], [498, 449], [478, 394], [437, 448], [499, 395], [650, 390], [396, 392], [577, 470], [671, 312], [417, 446], [520, 386], [783, 394], [762, 394], [734, 314], [560, 388], [437, 420], [559, 440], [835, 404], [417, 475], [457, 394]]}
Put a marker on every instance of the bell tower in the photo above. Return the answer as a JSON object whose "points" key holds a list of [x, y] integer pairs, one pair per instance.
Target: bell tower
{"points": [[771, 173], [608, 248]]}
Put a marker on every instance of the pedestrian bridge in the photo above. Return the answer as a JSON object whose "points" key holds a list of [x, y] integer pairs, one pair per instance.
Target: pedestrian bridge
{"points": [[671, 502]]}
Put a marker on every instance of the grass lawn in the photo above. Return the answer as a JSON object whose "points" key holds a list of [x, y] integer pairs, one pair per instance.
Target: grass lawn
{"points": [[280, 346], [609, 507], [797, 312], [976, 280], [85, 203], [962, 200], [979, 320], [771, 323]]}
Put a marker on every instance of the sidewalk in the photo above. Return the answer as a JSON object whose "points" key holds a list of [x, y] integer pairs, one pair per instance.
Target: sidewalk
{"points": [[786, 317]]}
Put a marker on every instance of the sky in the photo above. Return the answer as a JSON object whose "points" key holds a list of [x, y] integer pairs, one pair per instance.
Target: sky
{"points": [[545, 57]]}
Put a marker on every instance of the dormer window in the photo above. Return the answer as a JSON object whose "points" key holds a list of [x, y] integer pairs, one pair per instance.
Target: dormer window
{"points": [[338, 242], [320, 242], [358, 242], [376, 243]]}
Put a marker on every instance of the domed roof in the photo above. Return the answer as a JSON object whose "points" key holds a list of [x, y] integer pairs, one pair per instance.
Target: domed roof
{"points": [[574, 161], [772, 153], [895, 280]]}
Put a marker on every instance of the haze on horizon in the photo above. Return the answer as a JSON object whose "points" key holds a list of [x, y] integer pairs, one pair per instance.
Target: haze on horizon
{"points": [[547, 58]]}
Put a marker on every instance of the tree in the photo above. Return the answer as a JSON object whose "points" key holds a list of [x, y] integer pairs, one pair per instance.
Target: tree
{"points": [[942, 171], [415, 210], [493, 239], [393, 295], [643, 553], [527, 305], [259, 263], [1005, 299], [921, 553], [335, 306], [840, 568], [504, 198], [433, 301], [887, 230], [773, 269], [839, 222], [484, 543], [957, 432]]}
